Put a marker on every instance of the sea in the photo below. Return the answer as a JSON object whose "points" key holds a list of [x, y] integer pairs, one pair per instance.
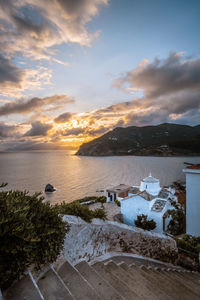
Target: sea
{"points": [[75, 177]]}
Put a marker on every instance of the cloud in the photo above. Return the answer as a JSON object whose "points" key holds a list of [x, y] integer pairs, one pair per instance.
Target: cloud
{"points": [[7, 131], [26, 145], [38, 129], [163, 77], [63, 118], [36, 104], [73, 131], [9, 73], [97, 131], [32, 29], [171, 90], [14, 80], [37, 25]]}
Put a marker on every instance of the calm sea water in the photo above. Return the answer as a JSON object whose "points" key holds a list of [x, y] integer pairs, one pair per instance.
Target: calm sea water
{"points": [[76, 177]]}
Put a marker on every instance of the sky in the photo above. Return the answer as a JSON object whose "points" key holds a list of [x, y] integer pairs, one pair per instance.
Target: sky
{"points": [[71, 71]]}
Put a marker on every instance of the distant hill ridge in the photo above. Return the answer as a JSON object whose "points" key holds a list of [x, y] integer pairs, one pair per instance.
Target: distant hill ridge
{"points": [[161, 140]]}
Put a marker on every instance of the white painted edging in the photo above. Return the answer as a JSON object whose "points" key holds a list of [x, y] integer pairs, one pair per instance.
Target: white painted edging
{"points": [[52, 268], [112, 254], [36, 286]]}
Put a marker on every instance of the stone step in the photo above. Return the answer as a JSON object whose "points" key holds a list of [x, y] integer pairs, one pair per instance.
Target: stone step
{"points": [[101, 286], [147, 286], [169, 285], [76, 283], [119, 285], [181, 287], [191, 277], [157, 282], [23, 289], [129, 260], [195, 277], [181, 277], [140, 286], [52, 288]]}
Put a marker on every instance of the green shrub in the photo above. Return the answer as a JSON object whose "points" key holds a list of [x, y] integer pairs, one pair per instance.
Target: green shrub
{"points": [[118, 202], [101, 199], [75, 209], [78, 210], [99, 213], [31, 233], [145, 224], [189, 243], [176, 225]]}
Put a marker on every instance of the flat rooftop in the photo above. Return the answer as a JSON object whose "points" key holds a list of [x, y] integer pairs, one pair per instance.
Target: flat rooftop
{"points": [[194, 167], [158, 205], [119, 188]]}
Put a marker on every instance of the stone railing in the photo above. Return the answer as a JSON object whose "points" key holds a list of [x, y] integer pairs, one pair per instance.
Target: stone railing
{"points": [[89, 240]]}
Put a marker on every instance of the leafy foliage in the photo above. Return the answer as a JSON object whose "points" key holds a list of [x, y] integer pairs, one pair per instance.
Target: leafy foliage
{"points": [[31, 233], [99, 214], [179, 186], [189, 243], [117, 202], [82, 211], [176, 225], [145, 224]]}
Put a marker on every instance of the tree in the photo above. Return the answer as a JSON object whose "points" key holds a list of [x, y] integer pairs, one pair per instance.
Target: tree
{"points": [[145, 224], [177, 223], [31, 233]]}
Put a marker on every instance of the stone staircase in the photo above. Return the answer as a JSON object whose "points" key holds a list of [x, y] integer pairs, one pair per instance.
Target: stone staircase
{"points": [[119, 278]]}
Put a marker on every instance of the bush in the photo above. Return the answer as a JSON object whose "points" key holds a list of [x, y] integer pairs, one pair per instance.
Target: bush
{"points": [[145, 224], [176, 225], [31, 233], [75, 209], [78, 210], [99, 213], [189, 243], [118, 202], [101, 199]]}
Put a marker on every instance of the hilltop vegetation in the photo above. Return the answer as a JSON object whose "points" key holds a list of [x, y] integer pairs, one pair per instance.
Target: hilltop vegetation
{"points": [[161, 140]]}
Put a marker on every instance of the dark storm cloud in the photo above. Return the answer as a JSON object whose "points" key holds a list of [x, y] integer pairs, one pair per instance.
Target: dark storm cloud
{"points": [[38, 129], [63, 118], [24, 107]]}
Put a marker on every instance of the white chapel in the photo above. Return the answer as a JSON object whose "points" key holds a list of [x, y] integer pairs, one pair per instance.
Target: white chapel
{"points": [[149, 199]]}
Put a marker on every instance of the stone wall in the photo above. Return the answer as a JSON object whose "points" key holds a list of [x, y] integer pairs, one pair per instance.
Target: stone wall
{"points": [[90, 240]]}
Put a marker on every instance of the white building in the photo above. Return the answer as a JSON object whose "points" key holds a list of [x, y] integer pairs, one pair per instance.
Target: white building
{"points": [[151, 185], [148, 199], [193, 199], [118, 192]]}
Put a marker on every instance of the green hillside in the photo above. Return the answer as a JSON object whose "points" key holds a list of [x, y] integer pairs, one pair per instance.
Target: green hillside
{"points": [[161, 140]]}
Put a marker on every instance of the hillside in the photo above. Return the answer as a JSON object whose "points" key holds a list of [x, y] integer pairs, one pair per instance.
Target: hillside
{"points": [[161, 140]]}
